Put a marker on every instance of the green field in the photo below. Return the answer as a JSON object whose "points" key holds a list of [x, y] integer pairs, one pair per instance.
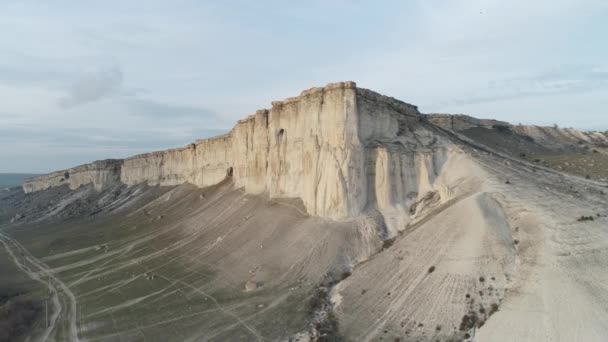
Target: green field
{"points": [[170, 264]]}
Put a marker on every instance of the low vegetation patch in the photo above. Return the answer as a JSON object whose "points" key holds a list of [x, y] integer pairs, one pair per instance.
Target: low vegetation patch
{"points": [[502, 128], [493, 309], [469, 321], [386, 244], [585, 218]]}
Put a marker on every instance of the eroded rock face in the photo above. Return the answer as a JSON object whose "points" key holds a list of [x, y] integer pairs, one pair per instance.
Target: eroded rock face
{"points": [[341, 149], [460, 122], [99, 173]]}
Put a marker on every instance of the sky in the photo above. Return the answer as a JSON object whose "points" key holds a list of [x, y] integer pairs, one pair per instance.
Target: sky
{"points": [[88, 80]]}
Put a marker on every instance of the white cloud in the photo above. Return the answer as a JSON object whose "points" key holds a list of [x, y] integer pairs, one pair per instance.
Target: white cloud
{"points": [[69, 67], [94, 86]]}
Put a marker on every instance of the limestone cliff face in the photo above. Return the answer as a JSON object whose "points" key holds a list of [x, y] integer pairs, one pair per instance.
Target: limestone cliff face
{"points": [[202, 163], [98, 173], [341, 149]]}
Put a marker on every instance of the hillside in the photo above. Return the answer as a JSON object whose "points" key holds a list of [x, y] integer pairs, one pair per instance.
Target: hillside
{"points": [[337, 215]]}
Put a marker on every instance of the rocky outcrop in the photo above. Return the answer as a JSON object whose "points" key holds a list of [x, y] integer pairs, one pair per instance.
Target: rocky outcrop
{"points": [[556, 136], [339, 148], [460, 122], [99, 173]]}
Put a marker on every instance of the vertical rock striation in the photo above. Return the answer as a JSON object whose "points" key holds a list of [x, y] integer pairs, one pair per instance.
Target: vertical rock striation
{"points": [[339, 148], [99, 173]]}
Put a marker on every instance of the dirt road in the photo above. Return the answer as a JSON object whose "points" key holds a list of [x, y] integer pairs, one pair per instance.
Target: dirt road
{"points": [[63, 320]]}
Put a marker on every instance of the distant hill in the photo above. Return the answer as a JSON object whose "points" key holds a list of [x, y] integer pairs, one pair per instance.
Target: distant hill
{"points": [[8, 180]]}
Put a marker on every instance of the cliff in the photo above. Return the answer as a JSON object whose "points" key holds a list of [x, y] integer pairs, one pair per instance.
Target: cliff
{"points": [[460, 122], [339, 148], [99, 173]]}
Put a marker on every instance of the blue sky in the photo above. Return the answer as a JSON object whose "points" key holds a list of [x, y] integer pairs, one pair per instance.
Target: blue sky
{"points": [[86, 80]]}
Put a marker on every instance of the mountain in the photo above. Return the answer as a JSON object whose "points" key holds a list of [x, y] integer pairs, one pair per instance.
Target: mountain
{"points": [[337, 215]]}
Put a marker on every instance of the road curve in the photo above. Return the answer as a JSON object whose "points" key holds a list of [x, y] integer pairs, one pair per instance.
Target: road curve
{"points": [[39, 272]]}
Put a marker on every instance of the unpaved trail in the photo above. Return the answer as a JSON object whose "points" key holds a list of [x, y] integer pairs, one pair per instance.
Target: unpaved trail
{"points": [[38, 271]]}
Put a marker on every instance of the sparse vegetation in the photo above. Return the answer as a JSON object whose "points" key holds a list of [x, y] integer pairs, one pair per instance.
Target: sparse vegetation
{"points": [[585, 218], [431, 269], [326, 325], [502, 128], [469, 321], [493, 308], [386, 244]]}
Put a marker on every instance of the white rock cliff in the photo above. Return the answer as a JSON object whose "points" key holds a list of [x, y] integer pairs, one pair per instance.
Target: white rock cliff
{"points": [[341, 149]]}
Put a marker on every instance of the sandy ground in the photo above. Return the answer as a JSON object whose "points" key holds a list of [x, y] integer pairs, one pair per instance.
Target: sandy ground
{"points": [[506, 261], [559, 291]]}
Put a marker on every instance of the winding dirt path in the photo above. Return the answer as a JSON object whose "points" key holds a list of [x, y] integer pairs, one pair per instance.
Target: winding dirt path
{"points": [[64, 306]]}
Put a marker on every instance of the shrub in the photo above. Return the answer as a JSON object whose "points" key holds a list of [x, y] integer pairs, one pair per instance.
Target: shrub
{"points": [[388, 243], [468, 321], [431, 269], [585, 218], [501, 128], [493, 308]]}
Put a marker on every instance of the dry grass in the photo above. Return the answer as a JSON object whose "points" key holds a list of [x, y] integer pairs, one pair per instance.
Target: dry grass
{"points": [[17, 316]]}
